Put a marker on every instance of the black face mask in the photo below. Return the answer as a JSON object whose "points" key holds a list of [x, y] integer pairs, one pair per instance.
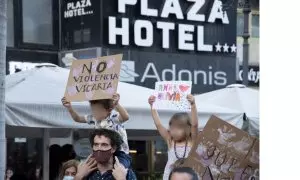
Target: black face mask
{"points": [[102, 157]]}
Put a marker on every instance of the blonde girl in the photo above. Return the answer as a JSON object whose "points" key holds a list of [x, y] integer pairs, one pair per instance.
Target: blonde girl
{"points": [[182, 132]]}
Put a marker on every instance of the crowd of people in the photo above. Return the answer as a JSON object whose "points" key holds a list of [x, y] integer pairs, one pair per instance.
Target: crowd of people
{"points": [[110, 159]]}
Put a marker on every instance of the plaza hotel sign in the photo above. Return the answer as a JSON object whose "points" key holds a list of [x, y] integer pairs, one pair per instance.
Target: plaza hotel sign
{"points": [[189, 36]]}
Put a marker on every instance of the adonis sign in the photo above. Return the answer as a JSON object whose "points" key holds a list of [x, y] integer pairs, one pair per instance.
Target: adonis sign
{"points": [[93, 78]]}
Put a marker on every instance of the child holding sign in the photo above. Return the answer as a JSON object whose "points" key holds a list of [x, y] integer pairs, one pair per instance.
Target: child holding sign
{"points": [[104, 116], [182, 132]]}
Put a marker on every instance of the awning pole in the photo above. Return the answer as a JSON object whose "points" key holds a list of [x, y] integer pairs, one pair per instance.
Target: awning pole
{"points": [[46, 141]]}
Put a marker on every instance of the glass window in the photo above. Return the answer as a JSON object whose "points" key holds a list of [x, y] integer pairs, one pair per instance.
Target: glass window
{"points": [[24, 157], [86, 35], [77, 36], [82, 36], [161, 156], [240, 24], [139, 154], [255, 25], [10, 23], [37, 21]]}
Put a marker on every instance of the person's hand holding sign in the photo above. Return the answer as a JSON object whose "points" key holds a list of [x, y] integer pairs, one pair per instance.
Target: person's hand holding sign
{"points": [[151, 100], [191, 99], [116, 99], [119, 171], [76, 117], [66, 103]]}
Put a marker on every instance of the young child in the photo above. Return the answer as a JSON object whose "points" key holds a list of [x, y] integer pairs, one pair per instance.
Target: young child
{"points": [[182, 133], [104, 116]]}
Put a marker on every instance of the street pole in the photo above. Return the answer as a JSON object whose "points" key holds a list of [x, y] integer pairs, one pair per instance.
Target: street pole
{"points": [[246, 35], [3, 23]]}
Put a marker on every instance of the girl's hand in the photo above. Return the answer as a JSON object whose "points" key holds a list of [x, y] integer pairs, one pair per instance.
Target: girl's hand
{"points": [[116, 99], [191, 99], [66, 103], [151, 100]]}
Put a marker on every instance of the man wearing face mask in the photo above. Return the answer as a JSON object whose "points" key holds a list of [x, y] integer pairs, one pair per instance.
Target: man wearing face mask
{"points": [[107, 161]]}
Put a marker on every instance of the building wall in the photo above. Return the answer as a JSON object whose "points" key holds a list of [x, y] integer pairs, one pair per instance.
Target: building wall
{"points": [[32, 32], [254, 37]]}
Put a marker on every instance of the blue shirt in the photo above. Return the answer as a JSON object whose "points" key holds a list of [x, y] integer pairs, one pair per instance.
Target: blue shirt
{"points": [[124, 159], [96, 175]]}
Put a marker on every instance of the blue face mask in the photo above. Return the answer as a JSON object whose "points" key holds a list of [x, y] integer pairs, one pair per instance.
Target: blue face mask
{"points": [[68, 178]]}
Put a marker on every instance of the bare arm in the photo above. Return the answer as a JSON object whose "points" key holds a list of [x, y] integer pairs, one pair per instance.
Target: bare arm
{"points": [[161, 129], [194, 117], [124, 116], [75, 116]]}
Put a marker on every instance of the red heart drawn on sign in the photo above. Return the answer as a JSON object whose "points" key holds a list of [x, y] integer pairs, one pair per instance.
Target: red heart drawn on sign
{"points": [[184, 88]]}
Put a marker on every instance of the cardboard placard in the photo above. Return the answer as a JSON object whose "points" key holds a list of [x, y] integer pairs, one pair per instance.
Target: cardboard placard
{"points": [[171, 95], [226, 151], [93, 79]]}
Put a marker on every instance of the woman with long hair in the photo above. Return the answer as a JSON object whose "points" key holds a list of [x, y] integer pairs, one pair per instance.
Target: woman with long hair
{"points": [[68, 170]]}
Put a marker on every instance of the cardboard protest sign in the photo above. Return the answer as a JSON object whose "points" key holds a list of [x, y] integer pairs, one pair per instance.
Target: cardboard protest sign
{"points": [[93, 79], [224, 151], [171, 95]]}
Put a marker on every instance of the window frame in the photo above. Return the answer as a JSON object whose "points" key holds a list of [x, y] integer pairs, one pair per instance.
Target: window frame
{"points": [[253, 12], [18, 22], [14, 25]]}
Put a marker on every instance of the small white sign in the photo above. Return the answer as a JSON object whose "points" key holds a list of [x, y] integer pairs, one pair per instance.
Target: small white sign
{"points": [[171, 95], [20, 140], [78, 8]]}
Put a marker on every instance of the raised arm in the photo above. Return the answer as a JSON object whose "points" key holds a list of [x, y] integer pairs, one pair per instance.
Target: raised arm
{"points": [[194, 117], [123, 114], [161, 129], [75, 116]]}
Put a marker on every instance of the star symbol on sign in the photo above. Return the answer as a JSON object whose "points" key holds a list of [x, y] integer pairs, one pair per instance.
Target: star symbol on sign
{"points": [[225, 47], [218, 47], [233, 48]]}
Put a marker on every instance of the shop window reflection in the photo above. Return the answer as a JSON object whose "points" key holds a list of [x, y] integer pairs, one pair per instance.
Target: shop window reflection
{"points": [[24, 157], [139, 154], [161, 156]]}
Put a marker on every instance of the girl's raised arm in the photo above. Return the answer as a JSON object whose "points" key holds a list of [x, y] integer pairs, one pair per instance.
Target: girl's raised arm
{"points": [[194, 117], [161, 129]]}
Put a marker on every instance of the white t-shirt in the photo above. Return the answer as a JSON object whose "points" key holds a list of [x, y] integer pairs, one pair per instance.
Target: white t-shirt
{"points": [[112, 122]]}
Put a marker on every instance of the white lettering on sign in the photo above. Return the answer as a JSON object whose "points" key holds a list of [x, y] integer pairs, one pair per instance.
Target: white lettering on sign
{"points": [[185, 37], [122, 5], [78, 8], [201, 46], [172, 7], [206, 77], [165, 27], [192, 14], [146, 11], [218, 13], [189, 37], [138, 26], [253, 75], [121, 31]]}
